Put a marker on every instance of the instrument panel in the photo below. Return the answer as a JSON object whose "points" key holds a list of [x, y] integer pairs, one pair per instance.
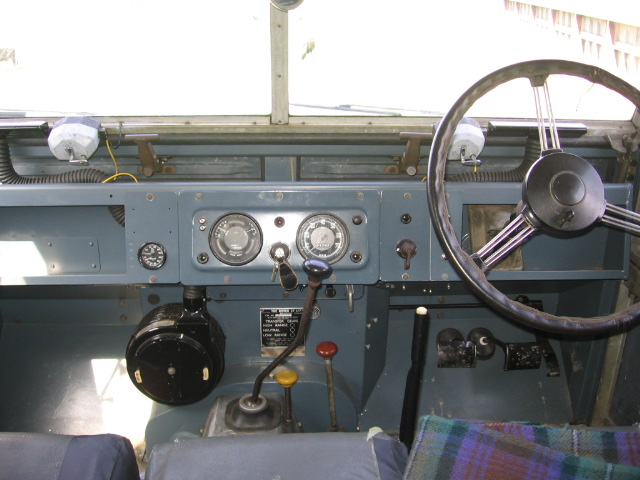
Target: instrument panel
{"points": [[233, 234]]}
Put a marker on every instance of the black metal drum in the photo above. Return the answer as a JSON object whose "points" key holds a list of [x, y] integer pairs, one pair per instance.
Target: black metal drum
{"points": [[176, 355]]}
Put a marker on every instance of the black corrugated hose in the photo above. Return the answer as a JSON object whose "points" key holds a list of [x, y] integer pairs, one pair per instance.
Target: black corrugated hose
{"points": [[9, 176], [531, 154]]}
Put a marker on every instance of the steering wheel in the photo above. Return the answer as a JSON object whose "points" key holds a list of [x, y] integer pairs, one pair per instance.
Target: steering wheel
{"points": [[561, 193]]}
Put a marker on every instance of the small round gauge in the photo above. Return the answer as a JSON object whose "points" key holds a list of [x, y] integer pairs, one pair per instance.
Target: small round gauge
{"points": [[235, 239], [323, 236], [152, 255]]}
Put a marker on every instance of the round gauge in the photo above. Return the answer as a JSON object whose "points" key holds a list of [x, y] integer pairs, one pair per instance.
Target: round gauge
{"points": [[235, 239], [152, 255], [323, 236]]}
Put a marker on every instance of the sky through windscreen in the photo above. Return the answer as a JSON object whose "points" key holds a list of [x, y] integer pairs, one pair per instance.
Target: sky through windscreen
{"points": [[346, 57]]}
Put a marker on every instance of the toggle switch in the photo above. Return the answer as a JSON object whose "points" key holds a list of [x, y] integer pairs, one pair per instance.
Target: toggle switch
{"points": [[407, 250]]}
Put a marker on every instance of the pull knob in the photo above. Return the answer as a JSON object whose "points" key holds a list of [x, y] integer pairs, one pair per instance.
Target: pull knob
{"points": [[287, 379], [327, 350], [406, 249], [316, 269]]}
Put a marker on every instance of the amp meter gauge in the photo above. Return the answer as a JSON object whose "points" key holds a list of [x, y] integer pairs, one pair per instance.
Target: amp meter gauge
{"points": [[152, 256], [323, 236], [235, 239]]}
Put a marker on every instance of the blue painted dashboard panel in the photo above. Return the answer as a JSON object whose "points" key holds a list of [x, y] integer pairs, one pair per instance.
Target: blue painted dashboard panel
{"points": [[168, 213]]}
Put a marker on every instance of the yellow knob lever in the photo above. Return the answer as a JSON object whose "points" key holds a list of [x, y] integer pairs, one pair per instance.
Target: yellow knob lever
{"points": [[287, 378]]}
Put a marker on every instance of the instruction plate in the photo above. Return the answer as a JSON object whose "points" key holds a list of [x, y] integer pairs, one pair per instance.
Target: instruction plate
{"points": [[278, 328]]}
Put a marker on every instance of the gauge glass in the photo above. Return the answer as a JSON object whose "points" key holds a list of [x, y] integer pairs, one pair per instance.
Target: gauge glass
{"points": [[235, 239], [152, 256], [323, 236]]}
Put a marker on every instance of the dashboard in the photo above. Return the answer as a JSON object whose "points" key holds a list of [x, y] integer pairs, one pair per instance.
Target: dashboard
{"points": [[242, 233]]}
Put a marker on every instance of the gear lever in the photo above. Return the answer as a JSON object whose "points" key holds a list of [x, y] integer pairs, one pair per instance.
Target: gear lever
{"points": [[316, 270]]}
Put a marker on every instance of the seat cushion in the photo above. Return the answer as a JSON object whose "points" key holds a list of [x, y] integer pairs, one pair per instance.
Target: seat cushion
{"points": [[456, 449], [356, 456], [37, 456]]}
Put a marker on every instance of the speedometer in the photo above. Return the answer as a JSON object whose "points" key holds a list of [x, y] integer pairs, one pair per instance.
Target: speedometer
{"points": [[323, 236], [235, 239]]}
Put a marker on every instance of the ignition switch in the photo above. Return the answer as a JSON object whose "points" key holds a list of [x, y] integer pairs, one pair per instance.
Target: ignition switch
{"points": [[279, 253], [406, 249]]}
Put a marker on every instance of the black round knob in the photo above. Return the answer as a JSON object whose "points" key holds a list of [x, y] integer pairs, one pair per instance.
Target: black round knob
{"points": [[316, 269]]}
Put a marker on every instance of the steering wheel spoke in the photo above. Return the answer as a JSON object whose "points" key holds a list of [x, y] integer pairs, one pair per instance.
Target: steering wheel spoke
{"points": [[541, 89], [507, 240], [621, 218]]}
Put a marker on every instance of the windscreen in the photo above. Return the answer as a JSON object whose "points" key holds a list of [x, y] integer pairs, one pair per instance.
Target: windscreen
{"points": [[346, 57], [412, 57], [136, 57]]}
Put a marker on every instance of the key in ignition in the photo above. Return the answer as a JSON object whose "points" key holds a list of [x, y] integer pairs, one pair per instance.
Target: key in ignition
{"points": [[279, 253]]}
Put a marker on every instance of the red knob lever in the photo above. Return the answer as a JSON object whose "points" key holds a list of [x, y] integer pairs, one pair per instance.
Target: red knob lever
{"points": [[327, 350]]}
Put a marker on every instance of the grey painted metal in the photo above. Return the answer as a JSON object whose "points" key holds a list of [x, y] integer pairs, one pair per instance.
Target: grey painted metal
{"points": [[169, 214], [485, 392]]}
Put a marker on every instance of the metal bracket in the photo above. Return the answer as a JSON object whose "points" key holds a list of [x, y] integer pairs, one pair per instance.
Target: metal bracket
{"points": [[626, 145], [350, 293], [472, 162], [411, 157], [148, 157]]}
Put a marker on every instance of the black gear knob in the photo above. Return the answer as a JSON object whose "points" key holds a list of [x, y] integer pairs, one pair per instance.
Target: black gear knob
{"points": [[316, 269]]}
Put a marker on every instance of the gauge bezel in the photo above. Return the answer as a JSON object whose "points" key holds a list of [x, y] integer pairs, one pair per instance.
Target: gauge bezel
{"points": [[214, 250], [346, 241], [151, 267]]}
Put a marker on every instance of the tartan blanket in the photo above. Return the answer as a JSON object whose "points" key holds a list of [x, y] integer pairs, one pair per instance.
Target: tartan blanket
{"points": [[456, 449]]}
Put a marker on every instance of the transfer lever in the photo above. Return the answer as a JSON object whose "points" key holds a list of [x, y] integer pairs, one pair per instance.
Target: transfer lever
{"points": [[327, 350], [287, 379]]}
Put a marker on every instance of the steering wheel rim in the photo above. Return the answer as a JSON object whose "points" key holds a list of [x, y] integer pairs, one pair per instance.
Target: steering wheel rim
{"points": [[468, 270]]}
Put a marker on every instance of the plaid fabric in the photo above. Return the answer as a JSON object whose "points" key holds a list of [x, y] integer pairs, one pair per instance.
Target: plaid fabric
{"points": [[455, 449]]}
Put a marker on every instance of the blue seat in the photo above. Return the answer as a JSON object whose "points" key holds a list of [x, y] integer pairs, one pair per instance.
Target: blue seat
{"points": [[309, 456], [38, 456]]}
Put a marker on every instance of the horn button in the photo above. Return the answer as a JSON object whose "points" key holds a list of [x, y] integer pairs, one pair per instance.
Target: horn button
{"points": [[563, 193]]}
